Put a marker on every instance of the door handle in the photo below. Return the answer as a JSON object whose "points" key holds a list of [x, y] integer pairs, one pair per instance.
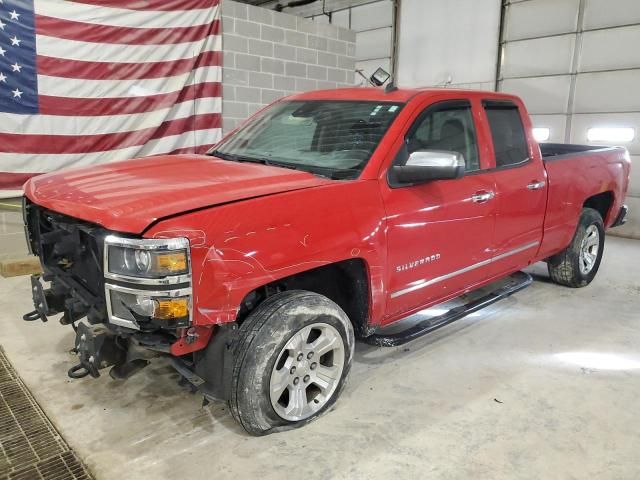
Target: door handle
{"points": [[535, 185], [482, 197]]}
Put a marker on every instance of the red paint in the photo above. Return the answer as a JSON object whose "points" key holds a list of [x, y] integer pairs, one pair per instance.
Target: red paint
{"points": [[99, 33], [128, 196], [182, 347], [70, 106], [13, 180], [163, 5], [63, 67], [250, 224], [61, 144]]}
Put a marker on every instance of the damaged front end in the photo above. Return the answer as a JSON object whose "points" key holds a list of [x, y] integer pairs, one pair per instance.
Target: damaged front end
{"points": [[135, 293]]}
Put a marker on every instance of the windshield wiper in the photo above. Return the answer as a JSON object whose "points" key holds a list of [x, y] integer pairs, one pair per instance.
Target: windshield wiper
{"points": [[228, 156], [243, 158], [267, 161]]}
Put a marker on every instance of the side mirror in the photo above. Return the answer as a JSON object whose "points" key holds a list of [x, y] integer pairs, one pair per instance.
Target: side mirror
{"points": [[426, 165]]}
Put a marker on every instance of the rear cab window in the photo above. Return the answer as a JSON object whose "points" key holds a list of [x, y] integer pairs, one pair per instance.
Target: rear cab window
{"points": [[507, 132]]}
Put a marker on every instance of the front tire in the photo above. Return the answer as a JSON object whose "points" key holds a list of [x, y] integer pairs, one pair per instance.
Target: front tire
{"points": [[577, 265], [291, 362]]}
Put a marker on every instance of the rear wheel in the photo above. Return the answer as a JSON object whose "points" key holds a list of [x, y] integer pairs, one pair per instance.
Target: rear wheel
{"points": [[577, 265], [291, 362]]}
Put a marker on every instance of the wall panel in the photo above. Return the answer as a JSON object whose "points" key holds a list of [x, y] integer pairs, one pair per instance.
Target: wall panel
{"points": [[613, 48], [372, 44], [541, 94], [537, 18], [539, 56], [615, 91], [434, 44], [371, 16], [610, 13]]}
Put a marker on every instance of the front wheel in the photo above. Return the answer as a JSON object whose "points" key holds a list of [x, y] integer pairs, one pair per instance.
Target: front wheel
{"points": [[291, 362], [577, 265]]}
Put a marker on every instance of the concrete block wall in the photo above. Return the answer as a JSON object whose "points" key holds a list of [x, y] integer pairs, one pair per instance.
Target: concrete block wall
{"points": [[372, 20], [373, 23], [268, 55]]}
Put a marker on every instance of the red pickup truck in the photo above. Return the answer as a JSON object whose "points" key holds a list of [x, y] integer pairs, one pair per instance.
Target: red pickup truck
{"points": [[326, 217]]}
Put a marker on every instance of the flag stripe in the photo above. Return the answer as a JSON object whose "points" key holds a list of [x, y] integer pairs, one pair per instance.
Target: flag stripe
{"points": [[107, 34], [124, 17], [55, 67], [54, 87], [19, 162], [47, 144], [83, 107], [86, 51], [94, 125], [14, 180], [162, 5]]}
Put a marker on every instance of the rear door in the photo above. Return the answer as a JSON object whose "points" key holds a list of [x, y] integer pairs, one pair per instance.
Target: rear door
{"points": [[439, 233], [521, 188]]}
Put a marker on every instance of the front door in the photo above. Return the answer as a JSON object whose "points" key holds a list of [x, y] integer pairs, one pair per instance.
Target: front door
{"points": [[439, 234]]}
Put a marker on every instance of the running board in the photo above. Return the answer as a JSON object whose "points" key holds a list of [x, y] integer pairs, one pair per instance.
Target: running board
{"points": [[516, 282]]}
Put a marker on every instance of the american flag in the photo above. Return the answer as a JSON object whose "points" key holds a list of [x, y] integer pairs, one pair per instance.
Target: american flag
{"points": [[95, 81]]}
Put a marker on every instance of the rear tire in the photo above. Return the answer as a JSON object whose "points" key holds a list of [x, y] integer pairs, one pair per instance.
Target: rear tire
{"points": [[577, 265], [290, 363]]}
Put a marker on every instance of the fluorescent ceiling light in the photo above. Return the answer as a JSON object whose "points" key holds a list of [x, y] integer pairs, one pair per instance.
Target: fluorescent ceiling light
{"points": [[541, 134], [611, 134]]}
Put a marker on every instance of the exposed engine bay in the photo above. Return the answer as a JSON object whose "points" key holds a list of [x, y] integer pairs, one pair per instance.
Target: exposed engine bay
{"points": [[135, 294]]}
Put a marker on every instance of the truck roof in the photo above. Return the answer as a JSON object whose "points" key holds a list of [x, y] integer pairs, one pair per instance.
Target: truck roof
{"points": [[398, 95]]}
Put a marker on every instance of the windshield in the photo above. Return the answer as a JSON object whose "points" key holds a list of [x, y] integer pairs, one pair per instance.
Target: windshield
{"points": [[329, 138]]}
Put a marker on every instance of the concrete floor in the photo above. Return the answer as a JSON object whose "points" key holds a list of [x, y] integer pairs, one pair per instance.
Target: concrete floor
{"points": [[543, 385]]}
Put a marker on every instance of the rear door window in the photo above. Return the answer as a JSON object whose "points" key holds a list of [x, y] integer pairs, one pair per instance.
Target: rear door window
{"points": [[509, 141]]}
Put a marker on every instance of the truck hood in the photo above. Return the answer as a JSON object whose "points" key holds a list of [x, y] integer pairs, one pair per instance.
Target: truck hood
{"points": [[129, 196]]}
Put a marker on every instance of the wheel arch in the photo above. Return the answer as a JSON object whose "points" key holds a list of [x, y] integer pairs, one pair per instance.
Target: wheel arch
{"points": [[602, 203], [347, 283]]}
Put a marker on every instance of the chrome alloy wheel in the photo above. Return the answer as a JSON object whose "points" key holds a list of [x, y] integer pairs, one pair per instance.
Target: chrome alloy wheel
{"points": [[307, 372], [589, 249]]}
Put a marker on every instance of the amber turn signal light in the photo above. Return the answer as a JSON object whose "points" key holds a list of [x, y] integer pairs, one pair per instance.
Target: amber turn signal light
{"points": [[171, 308], [173, 262]]}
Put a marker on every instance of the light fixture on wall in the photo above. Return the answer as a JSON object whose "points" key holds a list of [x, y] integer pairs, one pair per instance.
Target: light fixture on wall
{"points": [[541, 134], [611, 134], [379, 77]]}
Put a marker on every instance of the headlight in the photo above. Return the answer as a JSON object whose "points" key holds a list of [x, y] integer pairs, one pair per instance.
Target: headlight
{"points": [[150, 280], [130, 307], [146, 258]]}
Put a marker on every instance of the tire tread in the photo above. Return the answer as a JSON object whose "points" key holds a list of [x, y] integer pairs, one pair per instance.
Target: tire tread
{"points": [[564, 267], [248, 332]]}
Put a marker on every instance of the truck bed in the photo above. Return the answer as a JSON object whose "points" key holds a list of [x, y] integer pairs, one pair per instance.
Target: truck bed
{"points": [[556, 151], [571, 181]]}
